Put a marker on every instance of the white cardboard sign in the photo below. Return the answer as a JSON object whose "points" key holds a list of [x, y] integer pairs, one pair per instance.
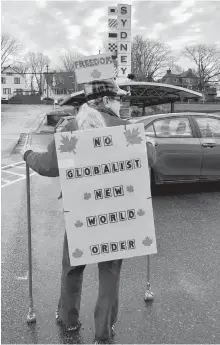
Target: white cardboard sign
{"points": [[94, 67], [106, 193]]}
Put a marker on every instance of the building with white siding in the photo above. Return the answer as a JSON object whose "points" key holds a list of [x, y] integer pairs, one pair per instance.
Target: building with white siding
{"points": [[12, 82]]}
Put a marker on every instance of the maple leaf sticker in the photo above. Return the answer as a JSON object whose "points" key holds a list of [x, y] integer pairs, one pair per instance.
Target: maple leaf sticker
{"points": [[132, 137], [141, 212], [78, 224], [130, 189], [96, 74], [147, 241], [77, 253], [87, 196], [68, 145]]}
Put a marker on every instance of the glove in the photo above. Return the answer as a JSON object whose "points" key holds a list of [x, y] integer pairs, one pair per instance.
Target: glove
{"points": [[24, 149]]}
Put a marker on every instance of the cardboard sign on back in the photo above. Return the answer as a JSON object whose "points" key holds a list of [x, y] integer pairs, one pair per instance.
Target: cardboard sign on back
{"points": [[105, 185]]}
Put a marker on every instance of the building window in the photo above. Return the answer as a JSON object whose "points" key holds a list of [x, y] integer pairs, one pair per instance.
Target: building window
{"points": [[6, 91], [3, 80], [19, 91], [9, 73], [60, 91], [173, 127], [17, 81]]}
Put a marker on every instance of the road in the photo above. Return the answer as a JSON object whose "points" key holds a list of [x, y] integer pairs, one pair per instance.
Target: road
{"points": [[17, 119], [185, 272]]}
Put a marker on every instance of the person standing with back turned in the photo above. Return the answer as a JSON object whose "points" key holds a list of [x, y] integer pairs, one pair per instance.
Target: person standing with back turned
{"points": [[102, 109]]}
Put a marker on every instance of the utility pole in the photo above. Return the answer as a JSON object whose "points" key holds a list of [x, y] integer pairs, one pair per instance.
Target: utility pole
{"points": [[47, 81]]}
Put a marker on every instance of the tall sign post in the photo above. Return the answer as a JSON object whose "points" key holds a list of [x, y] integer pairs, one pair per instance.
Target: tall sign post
{"points": [[113, 35], [124, 40]]}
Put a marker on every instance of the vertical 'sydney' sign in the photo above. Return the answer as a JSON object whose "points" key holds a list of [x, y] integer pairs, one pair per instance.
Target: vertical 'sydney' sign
{"points": [[112, 30], [106, 193], [124, 40]]}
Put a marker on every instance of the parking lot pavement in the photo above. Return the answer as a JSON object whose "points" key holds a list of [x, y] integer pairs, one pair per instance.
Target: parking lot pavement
{"points": [[13, 173]]}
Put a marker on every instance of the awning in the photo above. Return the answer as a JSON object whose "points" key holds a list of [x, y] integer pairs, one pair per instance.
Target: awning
{"points": [[143, 93]]}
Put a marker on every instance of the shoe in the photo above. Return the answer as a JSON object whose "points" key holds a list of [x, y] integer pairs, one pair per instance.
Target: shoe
{"points": [[71, 328], [98, 341]]}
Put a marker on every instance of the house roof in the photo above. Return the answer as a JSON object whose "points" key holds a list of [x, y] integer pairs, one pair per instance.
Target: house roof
{"points": [[188, 74], [7, 69], [63, 80]]}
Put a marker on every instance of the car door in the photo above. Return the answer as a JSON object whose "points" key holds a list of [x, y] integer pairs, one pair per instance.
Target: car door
{"points": [[174, 149], [209, 129]]}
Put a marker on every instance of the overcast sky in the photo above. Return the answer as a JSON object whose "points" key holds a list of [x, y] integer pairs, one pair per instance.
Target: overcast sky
{"points": [[51, 27]]}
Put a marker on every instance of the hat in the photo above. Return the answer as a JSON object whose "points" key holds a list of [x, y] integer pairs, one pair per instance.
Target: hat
{"points": [[101, 88]]}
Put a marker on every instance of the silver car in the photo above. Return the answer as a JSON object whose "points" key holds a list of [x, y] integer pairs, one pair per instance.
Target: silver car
{"points": [[182, 147]]}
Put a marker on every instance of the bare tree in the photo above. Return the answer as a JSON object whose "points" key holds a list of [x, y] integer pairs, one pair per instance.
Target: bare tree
{"points": [[10, 49], [206, 57], [67, 60], [104, 46], [37, 63], [149, 58], [175, 68], [22, 67]]}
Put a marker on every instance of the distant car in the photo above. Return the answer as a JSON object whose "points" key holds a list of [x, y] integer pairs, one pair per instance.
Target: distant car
{"points": [[182, 147]]}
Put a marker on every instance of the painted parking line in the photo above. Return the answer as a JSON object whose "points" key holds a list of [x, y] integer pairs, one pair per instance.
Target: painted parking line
{"points": [[11, 176], [13, 165], [17, 180], [5, 181], [13, 173]]}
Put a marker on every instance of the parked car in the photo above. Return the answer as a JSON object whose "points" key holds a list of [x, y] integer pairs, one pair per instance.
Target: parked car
{"points": [[54, 116], [182, 147], [62, 123]]}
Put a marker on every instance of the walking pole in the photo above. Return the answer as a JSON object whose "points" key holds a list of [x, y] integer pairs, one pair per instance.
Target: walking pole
{"points": [[149, 295], [31, 316]]}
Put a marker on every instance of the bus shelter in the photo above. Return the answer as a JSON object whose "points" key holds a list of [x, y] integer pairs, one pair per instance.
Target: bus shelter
{"points": [[143, 94]]}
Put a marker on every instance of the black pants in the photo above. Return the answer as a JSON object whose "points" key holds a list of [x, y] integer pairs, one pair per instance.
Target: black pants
{"points": [[106, 309]]}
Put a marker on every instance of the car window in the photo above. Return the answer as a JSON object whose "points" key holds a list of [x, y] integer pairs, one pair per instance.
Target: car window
{"points": [[150, 131], [209, 127], [173, 128]]}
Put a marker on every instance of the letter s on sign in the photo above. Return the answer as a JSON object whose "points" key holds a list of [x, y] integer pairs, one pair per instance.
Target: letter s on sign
{"points": [[124, 10]]}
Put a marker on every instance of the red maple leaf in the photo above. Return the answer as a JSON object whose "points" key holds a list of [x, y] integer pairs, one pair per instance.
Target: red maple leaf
{"points": [[133, 137], [68, 145]]}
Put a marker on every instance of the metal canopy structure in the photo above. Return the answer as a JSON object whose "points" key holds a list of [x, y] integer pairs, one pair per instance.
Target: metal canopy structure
{"points": [[143, 94]]}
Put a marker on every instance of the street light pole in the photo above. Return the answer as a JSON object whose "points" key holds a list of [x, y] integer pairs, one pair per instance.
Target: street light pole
{"points": [[47, 81]]}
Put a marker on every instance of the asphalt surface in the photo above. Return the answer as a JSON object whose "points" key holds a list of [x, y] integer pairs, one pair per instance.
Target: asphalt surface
{"points": [[185, 274], [17, 121]]}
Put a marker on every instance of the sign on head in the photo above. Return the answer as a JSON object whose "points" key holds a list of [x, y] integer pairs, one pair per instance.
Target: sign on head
{"points": [[94, 67]]}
